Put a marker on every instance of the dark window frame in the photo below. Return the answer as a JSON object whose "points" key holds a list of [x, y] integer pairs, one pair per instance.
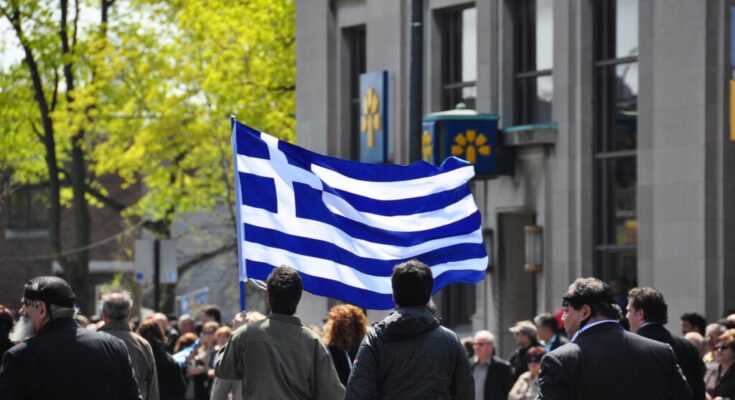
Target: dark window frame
{"points": [[525, 74], [357, 48], [451, 57], [30, 212], [605, 156]]}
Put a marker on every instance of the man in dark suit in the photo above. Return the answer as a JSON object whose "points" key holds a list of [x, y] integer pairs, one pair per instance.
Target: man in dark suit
{"points": [[647, 312], [603, 361], [548, 331], [492, 374]]}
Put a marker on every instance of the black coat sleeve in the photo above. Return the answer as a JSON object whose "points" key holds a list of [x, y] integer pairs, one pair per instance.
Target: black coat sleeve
{"points": [[553, 379], [11, 378], [463, 382], [363, 381]]}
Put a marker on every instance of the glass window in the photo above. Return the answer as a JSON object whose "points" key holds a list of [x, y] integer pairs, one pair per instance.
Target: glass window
{"points": [[355, 37], [616, 140], [28, 208], [533, 49], [459, 57]]}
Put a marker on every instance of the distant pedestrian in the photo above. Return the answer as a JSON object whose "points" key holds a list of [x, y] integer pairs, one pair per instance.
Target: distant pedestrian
{"points": [[211, 313], [346, 326], [170, 333], [525, 335], [711, 337], [693, 322], [647, 313], [6, 325], [720, 378], [171, 383], [409, 355], [279, 357], [58, 359], [493, 376], [604, 361], [548, 330], [222, 389], [116, 307], [527, 387]]}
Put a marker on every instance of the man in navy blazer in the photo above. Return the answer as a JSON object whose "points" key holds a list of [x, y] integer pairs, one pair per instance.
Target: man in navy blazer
{"points": [[604, 361], [647, 312]]}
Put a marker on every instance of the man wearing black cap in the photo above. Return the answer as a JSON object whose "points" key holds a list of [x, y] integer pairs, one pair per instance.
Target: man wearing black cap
{"points": [[59, 359]]}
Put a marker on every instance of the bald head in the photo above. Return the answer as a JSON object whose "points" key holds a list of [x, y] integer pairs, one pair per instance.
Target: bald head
{"points": [[116, 305]]}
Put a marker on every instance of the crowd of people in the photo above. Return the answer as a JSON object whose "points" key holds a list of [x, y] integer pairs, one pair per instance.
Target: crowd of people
{"points": [[588, 349]]}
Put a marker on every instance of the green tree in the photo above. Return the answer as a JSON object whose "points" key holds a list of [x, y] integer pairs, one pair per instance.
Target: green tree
{"points": [[142, 91]]}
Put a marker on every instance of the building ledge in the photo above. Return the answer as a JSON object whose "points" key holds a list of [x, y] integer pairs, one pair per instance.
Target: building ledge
{"points": [[530, 135], [26, 233]]}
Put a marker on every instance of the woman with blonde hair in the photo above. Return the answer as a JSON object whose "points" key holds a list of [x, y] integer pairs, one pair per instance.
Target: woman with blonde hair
{"points": [[345, 327]]}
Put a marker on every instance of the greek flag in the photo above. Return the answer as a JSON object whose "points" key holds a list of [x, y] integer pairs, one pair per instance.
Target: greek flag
{"points": [[344, 225]]}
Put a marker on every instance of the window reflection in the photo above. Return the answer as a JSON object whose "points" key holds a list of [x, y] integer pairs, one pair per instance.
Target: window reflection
{"points": [[459, 57], [626, 28]]}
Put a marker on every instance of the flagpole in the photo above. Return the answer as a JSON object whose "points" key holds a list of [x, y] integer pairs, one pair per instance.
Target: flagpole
{"points": [[242, 272]]}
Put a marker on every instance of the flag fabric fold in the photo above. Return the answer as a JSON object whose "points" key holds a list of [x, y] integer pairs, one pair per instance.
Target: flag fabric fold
{"points": [[344, 225]]}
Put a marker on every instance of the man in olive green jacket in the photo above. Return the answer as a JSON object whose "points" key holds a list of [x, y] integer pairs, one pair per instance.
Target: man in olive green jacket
{"points": [[279, 357], [115, 313]]}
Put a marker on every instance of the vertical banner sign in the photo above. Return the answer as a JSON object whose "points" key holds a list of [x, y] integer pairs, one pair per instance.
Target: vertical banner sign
{"points": [[374, 117], [474, 141], [732, 73], [428, 138]]}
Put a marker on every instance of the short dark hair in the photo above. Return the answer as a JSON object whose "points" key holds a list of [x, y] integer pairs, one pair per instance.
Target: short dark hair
{"points": [[412, 283], [652, 302], [696, 320], [213, 311], [548, 321], [284, 290], [596, 294]]}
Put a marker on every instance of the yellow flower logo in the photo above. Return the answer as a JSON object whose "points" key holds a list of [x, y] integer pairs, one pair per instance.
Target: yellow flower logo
{"points": [[370, 121], [469, 144], [427, 146]]}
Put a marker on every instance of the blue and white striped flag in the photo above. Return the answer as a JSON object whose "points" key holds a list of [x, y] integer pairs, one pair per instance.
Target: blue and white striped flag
{"points": [[344, 225]]}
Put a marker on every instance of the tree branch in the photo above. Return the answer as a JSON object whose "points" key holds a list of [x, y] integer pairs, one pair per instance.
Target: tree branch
{"points": [[227, 247]]}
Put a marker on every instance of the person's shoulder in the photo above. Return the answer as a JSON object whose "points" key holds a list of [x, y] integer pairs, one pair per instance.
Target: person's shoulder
{"points": [[500, 363], [642, 342], [569, 349]]}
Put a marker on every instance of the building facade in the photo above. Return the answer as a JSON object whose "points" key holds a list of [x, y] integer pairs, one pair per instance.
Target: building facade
{"points": [[617, 113]]}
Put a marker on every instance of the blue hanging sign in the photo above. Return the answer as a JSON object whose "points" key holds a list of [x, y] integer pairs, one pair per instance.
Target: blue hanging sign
{"points": [[474, 141], [428, 139], [374, 117]]}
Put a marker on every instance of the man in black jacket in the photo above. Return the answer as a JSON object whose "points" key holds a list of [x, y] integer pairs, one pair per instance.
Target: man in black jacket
{"points": [[492, 374], [647, 313], [603, 361], [59, 359], [408, 355]]}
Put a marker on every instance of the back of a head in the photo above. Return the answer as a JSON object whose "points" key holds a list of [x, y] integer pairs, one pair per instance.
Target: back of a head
{"points": [[151, 331], [652, 302], [346, 326], [6, 322], [412, 283], [696, 320], [596, 294], [212, 312], [547, 320], [284, 290], [116, 305]]}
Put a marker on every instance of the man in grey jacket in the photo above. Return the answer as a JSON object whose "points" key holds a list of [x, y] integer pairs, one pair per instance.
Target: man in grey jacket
{"points": [[279, 357], [408, 355], [115, 312]]}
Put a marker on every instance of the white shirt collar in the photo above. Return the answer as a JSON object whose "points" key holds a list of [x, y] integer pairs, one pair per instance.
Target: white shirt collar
{"points": [[588, 326]]}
